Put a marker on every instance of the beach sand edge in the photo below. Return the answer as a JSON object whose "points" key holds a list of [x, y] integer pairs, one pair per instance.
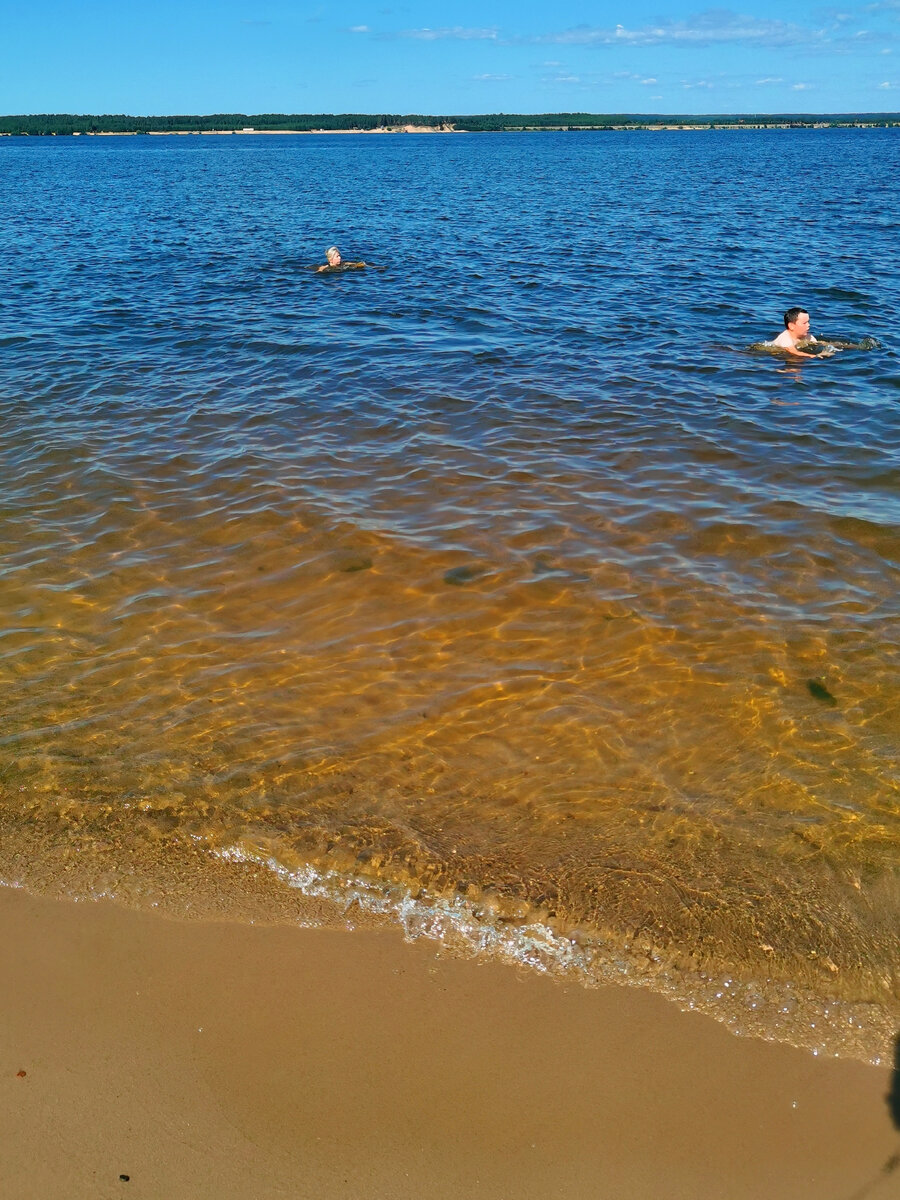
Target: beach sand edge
{"points": [[203, 1058]]}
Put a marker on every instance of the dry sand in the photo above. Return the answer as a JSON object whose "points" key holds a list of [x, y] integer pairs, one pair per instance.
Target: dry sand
{"points": [[232, 1061]]}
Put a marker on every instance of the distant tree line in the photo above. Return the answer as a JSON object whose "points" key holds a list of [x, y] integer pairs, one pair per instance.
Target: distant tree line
{"points": [[61, 124], [66, 123], [515, 121]]}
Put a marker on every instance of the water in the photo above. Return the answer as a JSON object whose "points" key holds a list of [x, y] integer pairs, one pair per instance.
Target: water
{"points": [[505, 591]]}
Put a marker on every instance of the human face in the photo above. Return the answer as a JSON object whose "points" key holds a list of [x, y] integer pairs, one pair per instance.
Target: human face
{"points": [[334, 260], [800, 327]]}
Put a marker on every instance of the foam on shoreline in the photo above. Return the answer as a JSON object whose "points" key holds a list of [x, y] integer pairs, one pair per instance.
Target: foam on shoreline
{"points": [[774, 1010]]}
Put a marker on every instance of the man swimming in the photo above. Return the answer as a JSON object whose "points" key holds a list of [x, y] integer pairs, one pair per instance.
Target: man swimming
{"points": [[336, 263], [796, 333]]}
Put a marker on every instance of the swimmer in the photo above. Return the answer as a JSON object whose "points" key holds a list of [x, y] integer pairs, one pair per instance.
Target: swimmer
{"points": [[796, 333], [336, 263]]}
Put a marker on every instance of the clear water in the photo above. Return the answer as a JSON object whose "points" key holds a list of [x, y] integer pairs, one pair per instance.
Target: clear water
{"points": [[503, 589]]}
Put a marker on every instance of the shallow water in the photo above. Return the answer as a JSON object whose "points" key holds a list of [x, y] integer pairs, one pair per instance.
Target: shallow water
{"points": [[504, 590]]}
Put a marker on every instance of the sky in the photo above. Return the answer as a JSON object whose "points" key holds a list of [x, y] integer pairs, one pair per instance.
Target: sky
{"points": [[457, 57]]}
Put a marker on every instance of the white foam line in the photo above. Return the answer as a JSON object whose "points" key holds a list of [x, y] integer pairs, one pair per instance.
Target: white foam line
{"points": [[459, 925], [433, 917]]}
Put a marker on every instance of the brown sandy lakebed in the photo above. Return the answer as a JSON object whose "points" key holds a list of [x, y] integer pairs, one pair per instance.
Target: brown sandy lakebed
{"points": [[214, 1059]]}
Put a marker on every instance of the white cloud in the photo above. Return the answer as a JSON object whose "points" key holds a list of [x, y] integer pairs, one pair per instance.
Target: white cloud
{"points": [[801, 87], [717, 26], [710, 28], [769, 79], [491, 78], [886, 86], [646, 82], [457, 32]]}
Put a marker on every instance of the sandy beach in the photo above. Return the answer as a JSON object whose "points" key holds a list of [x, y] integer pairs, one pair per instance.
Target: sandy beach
{"points": [[293, 132], [149, 1057]]}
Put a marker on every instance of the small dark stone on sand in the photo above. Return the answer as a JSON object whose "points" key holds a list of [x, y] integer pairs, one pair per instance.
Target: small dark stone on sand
{"points": [[543, 565], [457, 576], [820, 692], [20, 1074], [124, 1178], [355, 562]]}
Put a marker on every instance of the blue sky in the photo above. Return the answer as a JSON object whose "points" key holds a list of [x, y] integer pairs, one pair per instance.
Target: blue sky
{"points": [[461, 56]]}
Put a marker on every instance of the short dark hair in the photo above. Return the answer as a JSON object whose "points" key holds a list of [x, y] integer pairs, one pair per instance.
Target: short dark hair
{"points": [[792, 314]]}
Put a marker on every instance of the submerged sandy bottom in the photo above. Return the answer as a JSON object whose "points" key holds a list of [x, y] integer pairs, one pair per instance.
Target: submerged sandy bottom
{"points": [[219, 1059]]}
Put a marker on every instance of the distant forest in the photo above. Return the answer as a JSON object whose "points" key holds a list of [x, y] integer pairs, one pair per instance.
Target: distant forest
{"points": [[43, 124]]}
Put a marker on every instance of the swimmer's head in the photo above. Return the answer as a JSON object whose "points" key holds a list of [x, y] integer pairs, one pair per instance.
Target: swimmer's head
{"points": [[797, 321], [333, 255]]}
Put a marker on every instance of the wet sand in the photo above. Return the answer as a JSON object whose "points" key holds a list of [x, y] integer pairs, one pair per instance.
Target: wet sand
{"points": [[226, 1060]]}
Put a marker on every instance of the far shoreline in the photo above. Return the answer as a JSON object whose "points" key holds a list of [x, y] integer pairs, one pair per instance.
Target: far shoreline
{"points": [[238, 124], [438, 129]]}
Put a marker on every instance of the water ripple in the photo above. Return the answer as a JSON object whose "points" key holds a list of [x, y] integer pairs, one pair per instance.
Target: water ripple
{"points": [[507, 582]]}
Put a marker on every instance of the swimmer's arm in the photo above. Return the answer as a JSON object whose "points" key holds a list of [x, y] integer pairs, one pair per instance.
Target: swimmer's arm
{"points": [[343, 266], [825, 352], [785, 343]]}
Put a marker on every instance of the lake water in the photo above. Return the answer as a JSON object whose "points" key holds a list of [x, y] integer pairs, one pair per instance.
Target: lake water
{"points": [[502, 589]]}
